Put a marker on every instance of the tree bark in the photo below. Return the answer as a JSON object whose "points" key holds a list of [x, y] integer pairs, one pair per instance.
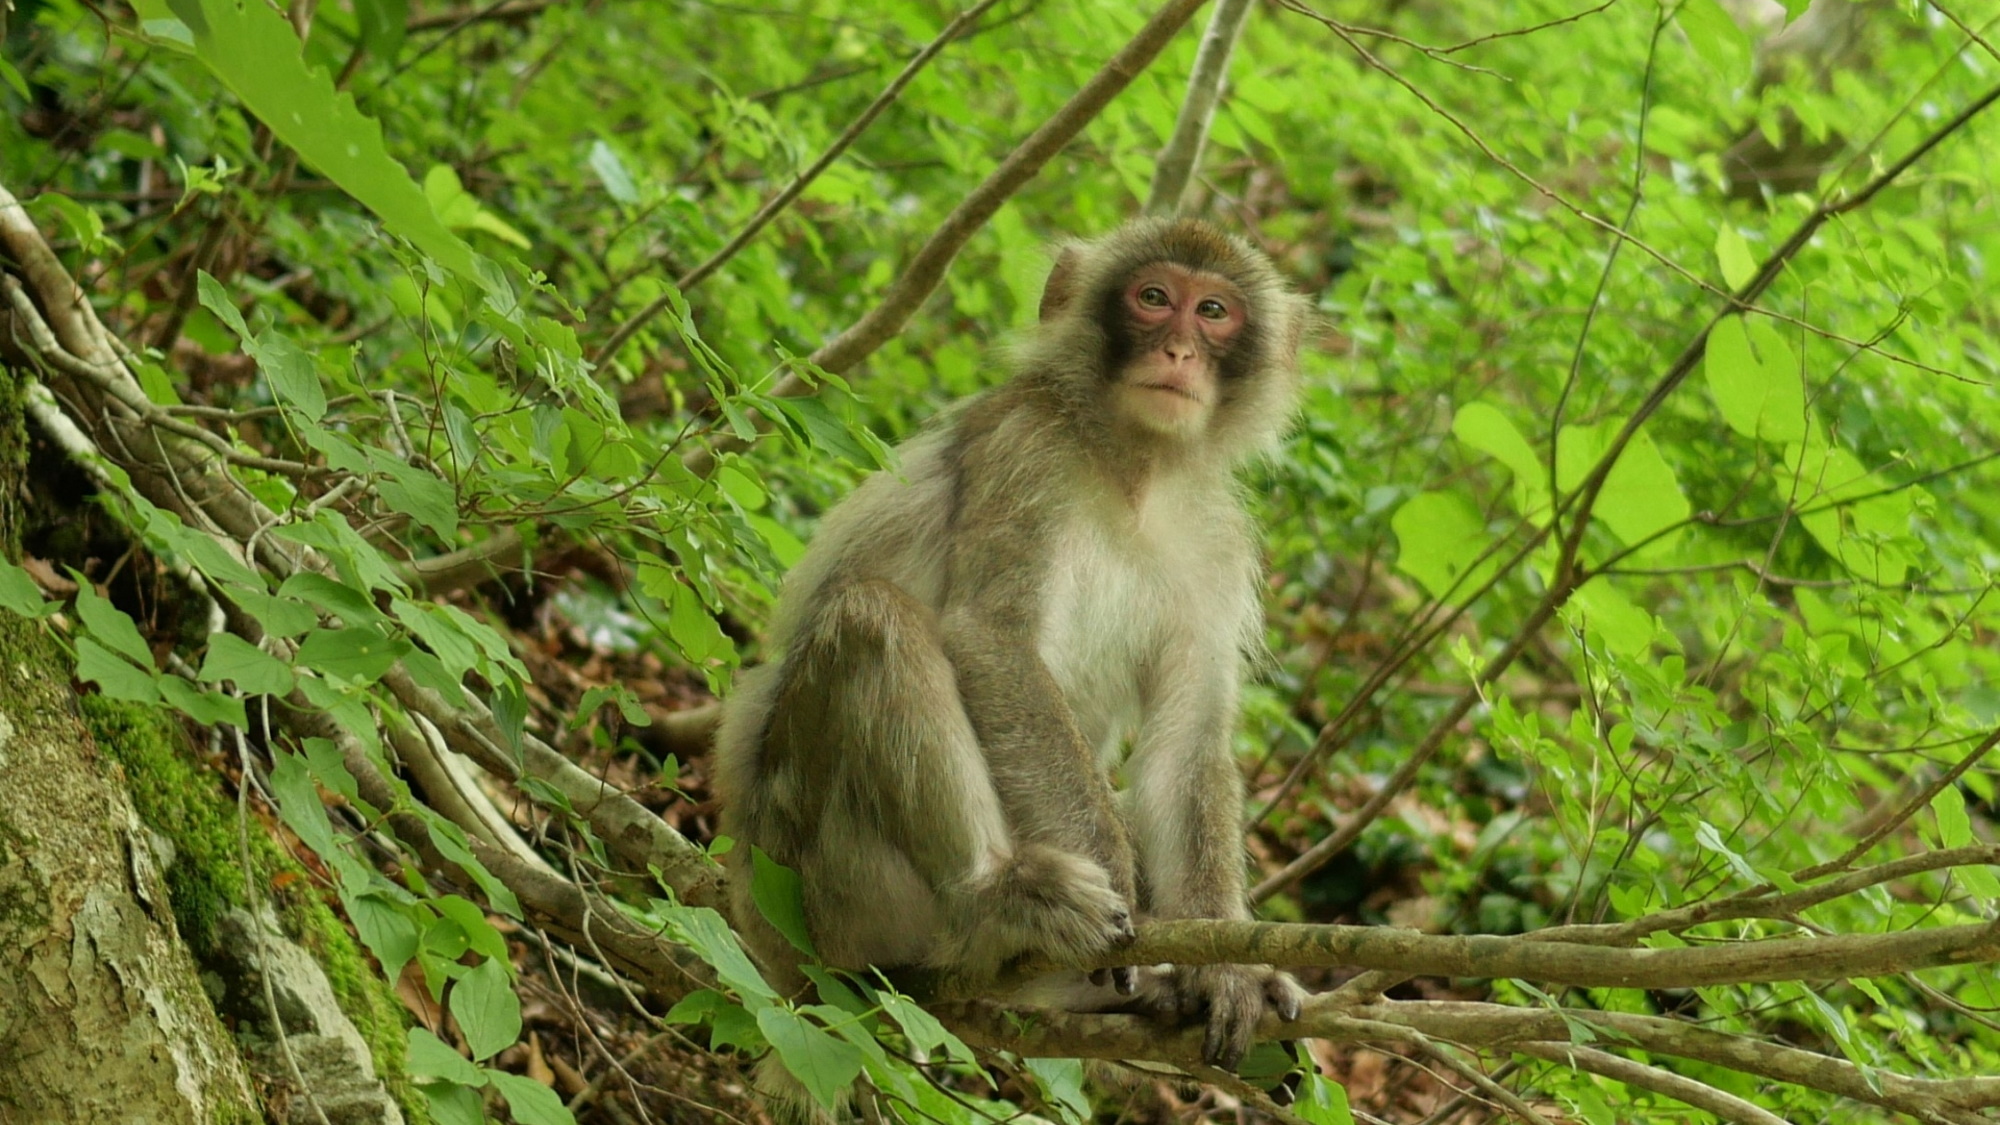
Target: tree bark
{"points": [[102, 1014]]}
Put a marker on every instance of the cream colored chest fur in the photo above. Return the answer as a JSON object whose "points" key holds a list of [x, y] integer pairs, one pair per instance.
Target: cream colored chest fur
{"points": [[1133, 596]]}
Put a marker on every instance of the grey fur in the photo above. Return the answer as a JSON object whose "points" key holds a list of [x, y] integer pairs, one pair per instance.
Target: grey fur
{"points": [[971, 641]]}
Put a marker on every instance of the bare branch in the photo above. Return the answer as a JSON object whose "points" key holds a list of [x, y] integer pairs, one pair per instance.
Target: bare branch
{"points": [[1528, 957], [1700, 1095], [777, 203], [926, 268], [1182, 155]]}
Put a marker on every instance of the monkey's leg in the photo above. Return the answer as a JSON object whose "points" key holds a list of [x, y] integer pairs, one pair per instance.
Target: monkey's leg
{"points": [[911, 857], [1187, 819]]}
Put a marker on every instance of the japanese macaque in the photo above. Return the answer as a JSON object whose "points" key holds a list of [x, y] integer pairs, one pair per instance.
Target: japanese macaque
{"points": [[1061, 569]]}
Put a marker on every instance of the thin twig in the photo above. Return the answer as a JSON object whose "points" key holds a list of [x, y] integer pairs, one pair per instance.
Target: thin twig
{"points": [[777, 203], [1579, 504], [1700, 1095]]}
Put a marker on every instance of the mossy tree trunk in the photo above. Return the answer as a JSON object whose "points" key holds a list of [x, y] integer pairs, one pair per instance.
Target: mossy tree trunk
{"points": [[102, 1014]]}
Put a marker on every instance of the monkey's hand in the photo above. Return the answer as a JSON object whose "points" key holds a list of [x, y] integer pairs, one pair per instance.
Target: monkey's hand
{"points": [[1234, 998]]}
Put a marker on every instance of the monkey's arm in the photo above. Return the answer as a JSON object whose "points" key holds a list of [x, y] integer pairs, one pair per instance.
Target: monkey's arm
{"points": [[999, 557]]}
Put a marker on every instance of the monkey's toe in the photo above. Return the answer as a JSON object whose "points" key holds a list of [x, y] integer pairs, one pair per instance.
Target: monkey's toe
{"points": [[1287, 997]]}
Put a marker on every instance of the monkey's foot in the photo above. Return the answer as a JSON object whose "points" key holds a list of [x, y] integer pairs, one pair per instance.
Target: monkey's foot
{"points": [[1234, 999], [1044, 901]]}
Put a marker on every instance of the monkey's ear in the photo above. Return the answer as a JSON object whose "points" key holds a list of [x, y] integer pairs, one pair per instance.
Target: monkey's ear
{"points": [[1062, 283]]}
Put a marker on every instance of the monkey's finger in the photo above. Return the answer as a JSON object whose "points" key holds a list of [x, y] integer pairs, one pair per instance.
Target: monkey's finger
{"points": [[1227, 1039], [1121, 925], [1287, 997], [1125, 980], [1100, 977]]}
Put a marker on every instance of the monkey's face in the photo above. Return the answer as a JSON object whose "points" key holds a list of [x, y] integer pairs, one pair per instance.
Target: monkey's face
{"points": [[1177, 326]]}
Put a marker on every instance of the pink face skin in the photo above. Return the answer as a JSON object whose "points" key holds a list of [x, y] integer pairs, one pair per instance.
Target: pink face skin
{"points": [[1185, 319]]}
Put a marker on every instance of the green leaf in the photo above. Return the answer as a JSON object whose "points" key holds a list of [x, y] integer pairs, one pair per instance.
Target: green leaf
{"points": [[113, 673], [529, 1101], [1063, 1079], [921, 1028], [458, 209], [421, 495], [19, 593], [480, 936], [427, 1056], [1733, 254], [487, 1011], [293, 376], [357, 654], [250, 668], [734, 1027], [1954, 827], [713, 940], [383, 26], [253, 51], [389, 933], [215, 299], [612, 174], [822, 1063], [1755, 380], [1440, 537], [1483, 427], [208, 708], [1716, 38], [14, 80], [299, 805], [694, 630], [109, 625], [1641, 496], [780, 899], [1607, 613], [697, 1006], [1706, 835], [280, 616], [351, 605], [813, 420], [330, 770], [453, 1104], [1830, 484], [1322, 1101], [451, 842]]}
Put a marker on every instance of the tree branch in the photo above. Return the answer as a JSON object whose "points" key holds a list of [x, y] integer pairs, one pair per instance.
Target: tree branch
{"points": [[1177, 162], [1578, 504], [1529, 957], [777, 203]]}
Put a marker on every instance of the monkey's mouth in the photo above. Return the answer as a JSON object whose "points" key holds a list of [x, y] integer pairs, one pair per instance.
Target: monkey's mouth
{"points": [[1173, 390]]}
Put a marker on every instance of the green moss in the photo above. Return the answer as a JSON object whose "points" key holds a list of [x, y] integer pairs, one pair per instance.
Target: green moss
{"points": [[178, 797]]}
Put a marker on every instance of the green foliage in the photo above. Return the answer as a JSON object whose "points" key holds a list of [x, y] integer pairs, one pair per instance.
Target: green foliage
{"points": [[1743, 604]]}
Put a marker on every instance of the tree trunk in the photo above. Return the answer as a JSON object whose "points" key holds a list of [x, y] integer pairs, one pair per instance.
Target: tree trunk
{"points": [[102, 1015]]}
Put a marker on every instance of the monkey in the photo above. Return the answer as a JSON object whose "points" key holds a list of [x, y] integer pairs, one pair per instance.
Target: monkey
{"points": [[1059, 567]]}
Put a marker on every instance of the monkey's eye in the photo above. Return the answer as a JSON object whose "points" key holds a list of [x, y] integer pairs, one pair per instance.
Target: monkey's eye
{"points": [[1153, 297], [1212, 309]]}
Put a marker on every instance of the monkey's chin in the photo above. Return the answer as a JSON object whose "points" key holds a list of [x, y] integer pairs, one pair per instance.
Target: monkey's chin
{"points": [[1163, 410]]}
